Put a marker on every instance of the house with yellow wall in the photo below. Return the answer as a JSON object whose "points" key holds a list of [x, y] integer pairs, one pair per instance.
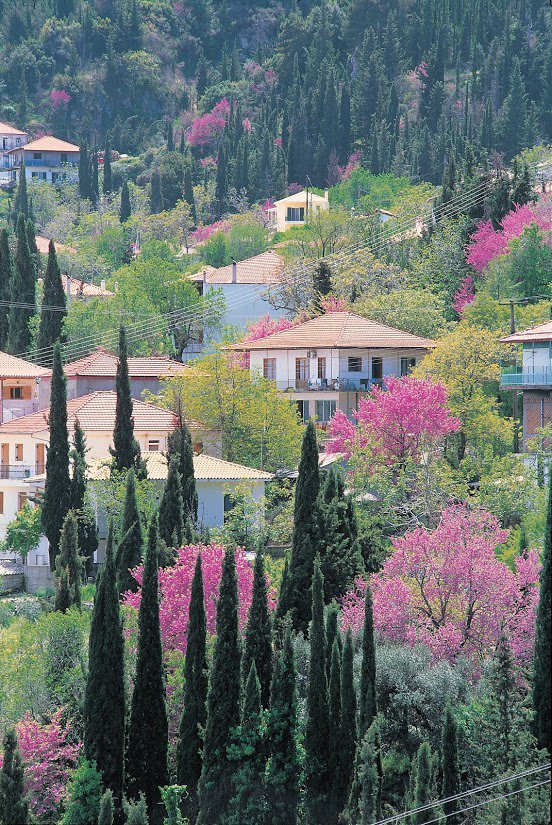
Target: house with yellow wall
{"points": [[296, 209]]}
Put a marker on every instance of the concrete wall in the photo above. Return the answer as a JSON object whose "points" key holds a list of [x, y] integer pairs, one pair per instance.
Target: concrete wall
{"points": [[38, 578]]}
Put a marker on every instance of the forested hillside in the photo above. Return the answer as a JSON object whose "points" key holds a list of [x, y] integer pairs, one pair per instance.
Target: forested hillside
{"points": [[259, 95]]}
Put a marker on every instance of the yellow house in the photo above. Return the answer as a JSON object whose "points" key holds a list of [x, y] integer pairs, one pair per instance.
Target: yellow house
{"points": [[296, 209]]}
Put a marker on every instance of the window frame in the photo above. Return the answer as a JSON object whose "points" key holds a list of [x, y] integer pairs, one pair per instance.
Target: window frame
{"points": [[354, 363]]}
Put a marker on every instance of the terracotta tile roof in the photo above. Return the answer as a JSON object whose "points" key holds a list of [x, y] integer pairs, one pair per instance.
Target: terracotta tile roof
{"points": [[43, 243], [339, 330], [96, 412], [6, 129], [12, 367], [49, 143], [102, 363], [86, 289], [265, 268], [541, 332], [313, 197]]}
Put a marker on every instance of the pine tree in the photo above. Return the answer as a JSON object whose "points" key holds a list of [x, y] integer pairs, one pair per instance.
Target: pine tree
{"points": [[334, 709], [422, 788], [223, 702], [258, 633], [171, 525], [69, 558], [317, 731], [296, 583], [105, 816], [13, 804], [125, 210], [23, 290], [126, 450], [147, 768], [129, 552], [57, 490], [348, 727], [541, 663], [180, 443], [104, 700], [50, 329], [194, 711], [6, 277], [367, 688], [449, 765], [87, 531], [21, 202], [156, 192], [107, 175]]}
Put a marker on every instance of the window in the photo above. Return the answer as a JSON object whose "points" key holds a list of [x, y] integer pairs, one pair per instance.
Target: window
{"points": [[21, 500], [407, 365], [354, 363], [54, 177], [295, 214], [269, 369], [229, 504], [63, 157], [301, 370], [377, 369], [324, 410], [16, 393], [19, 452], [44, 175], [321, 367], [154, 446], [304, 411], [34, 174], [1, 503], [37, 155]]}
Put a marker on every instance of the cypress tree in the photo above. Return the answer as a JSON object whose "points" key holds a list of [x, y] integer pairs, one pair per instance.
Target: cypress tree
{"points": [[194, 711], [94, 177], [107, 175], [23, 290], [541, 663], [283, 767], [171, 526], [86, 523], [136, 812], [367, 687], [156, 192], [422, 788], [449, 765], [105, 816], [6, 276], [13, 804], [258, 633], [332, 634], [129, 552], [21, 203], [296, 583], [64, 594], [180, 443], [125, 210], [223, 702], [317, 732], [104, 700], [322, 278], [126, 450], [69, 558], [147, 768], [85, 188], [348, 726], [334, 708], [33, 248], [50, 329], [368, 779], [342, 560], [57, 490], [189, 193]]}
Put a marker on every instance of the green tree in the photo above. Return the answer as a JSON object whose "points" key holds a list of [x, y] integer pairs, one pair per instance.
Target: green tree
{"points": [[137, 812], [317, 731], [223, 702], [296, 584], [86, 522], [322, 278], [14, 809], [341, 560], [423, 786], [126, 450], [85, 184], [57, 490], [189, 192], [105, 815], [334, 709], [180, 444], [21, 203], [156, 193], [129, 551], [104, 701], [541, 663], [125, 210], [332, 635], [6, 277], [64, 594], [348, 725], [84, 794], [367, 688], [258, 634], [148, 732], [22, 293], [194, 710], [450, 768], [69, 559], [107, 176], [171, 525], [53, 309]]}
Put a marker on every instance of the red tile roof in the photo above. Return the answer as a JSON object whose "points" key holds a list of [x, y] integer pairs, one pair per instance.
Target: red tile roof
{"points": [[102, 363], [541, 332], [85, 289], [339, 330], [265, 268], [6, 129], [12, 367], [49, 143]]}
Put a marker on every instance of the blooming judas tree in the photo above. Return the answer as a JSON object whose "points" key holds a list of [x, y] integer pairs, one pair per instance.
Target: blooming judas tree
{"points": [[488, 242], [446, 589], [206, 128], [464, 296]]}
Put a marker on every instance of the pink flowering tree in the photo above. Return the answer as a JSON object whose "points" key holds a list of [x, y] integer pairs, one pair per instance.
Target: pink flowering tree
{"points": [[464, 296], [263, 326], [332, 303], [175, 587], [487, 242], [206, 128], [203, 233], [59, 97], [446, 589]]}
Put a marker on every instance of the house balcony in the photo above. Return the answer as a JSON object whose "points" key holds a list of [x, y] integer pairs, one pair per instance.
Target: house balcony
{"points": [[19, 472], [523, 378], [49, 163], [329, 384]]}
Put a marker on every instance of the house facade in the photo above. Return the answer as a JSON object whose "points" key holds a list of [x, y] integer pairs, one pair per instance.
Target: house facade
{"points": [[296, 209], [48, 158], [10, 139], [532, 376], [329, 362], [20, 384]]}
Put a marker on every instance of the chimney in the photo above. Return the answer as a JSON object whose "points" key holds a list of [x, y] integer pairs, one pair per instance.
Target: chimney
{"points": [[68, 288], [204, 275], [234, 272], [102, 284], [116, 286], [326, 194]]}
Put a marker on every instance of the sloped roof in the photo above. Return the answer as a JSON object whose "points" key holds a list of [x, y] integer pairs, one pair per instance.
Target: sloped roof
{"points": [[43, 244], [49, 143], [85, 288], [12, 367], [96, 412], [265, 268], [540, 332], [339, 330], [6, 129], [313, 197], [102, 363]]}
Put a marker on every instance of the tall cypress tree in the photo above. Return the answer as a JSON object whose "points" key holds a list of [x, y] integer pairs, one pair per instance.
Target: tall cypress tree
{"points": [[283, 767], [348, 726], [21, 204], [194, 711], [449, 765], [223, 702], [107, 175], [86, 523], [334, 707], [367, 688], [189, 192], [422, 788], [332, 634], [94, 177], [104, 700], [33, 248], [57, 490], [23, 291], [258, 634], [341, 560], [541, 664], [317, 732], [129, 552], [105, 815], [125, 210], [85, 188], [6, 277], [180, 443], [50, 328], [148, 734], [171, 526], [14, 809], [296, 584], [126, 450], [69, 559]]}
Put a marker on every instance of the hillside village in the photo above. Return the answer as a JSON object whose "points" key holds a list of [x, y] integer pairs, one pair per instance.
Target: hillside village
{"points": [[275, 413]]}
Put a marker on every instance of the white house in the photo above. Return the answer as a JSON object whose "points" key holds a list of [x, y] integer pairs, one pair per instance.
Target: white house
{"points": [[19, 386], [48, 158], [327, 363], [296, 209], [10, 138]]}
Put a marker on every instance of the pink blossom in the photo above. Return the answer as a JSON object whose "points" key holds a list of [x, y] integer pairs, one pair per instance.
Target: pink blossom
{"points": [[464, 296], [205, 128], [59, 97], [352, 163], [487, 242], [446, 589], [246, 123], [332, 303], [203, 233], [267, 326], [421, 69], [278, 142]]}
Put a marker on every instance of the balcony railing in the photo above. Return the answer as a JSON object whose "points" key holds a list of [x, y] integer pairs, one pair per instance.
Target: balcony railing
{"points": [[329, 384], [53, 162], [519, 377], [18, 472]]}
